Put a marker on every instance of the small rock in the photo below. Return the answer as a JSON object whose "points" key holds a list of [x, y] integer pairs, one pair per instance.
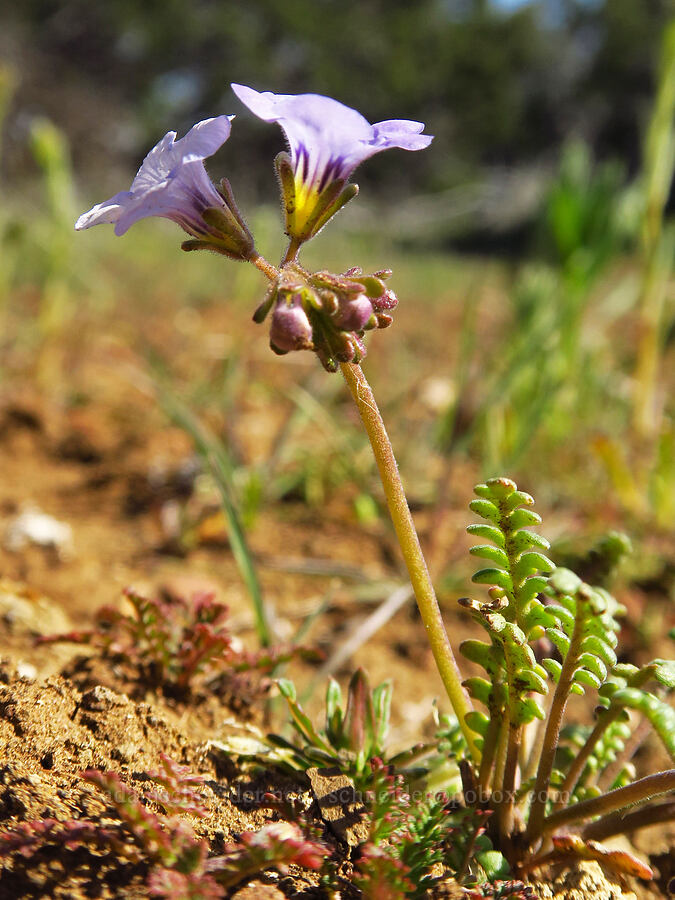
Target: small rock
{"points": [[32, 526], [258, 890], [26, 670], [341, 808], [581, 882]]}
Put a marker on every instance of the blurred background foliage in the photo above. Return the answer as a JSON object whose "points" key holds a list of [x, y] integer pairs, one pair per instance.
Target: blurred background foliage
{"points": [[535, 234], [500, 87]]}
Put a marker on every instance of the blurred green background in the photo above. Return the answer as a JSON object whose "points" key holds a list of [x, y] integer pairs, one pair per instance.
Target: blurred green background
{"points": [[532, 243], [502, 85]]}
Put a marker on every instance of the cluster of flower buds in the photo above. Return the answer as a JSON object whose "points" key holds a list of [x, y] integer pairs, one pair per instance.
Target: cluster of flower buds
{"points": [[326, 313]]}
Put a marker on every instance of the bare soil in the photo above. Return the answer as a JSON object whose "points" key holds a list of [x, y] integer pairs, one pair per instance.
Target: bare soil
{"points": [[91, 449]]}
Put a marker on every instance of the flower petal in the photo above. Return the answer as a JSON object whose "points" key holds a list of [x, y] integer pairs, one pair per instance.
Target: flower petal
{"points": [[326, 136], [104, 213], [401, 133], [201, 141], [171, 182]]}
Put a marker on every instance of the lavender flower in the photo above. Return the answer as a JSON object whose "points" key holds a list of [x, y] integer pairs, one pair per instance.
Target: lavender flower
{"points": [[172, 183], [327, 142]]}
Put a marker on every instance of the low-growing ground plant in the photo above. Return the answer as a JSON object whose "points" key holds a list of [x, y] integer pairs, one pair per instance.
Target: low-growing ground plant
{"points": [[175, 644], [151, 831]]}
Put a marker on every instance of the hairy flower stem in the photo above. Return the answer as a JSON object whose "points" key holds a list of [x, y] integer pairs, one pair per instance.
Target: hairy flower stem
{"points": [[268, 270], [553, 725], [410, 547], [637, 792], [621, 822], [291, 253]]}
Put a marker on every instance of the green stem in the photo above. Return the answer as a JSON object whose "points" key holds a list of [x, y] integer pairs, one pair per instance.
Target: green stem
{"points": [[488, 755], [410, 547], [553, 725], [291, 253], [657, 247], [637, 792], [580, 760], [502, 750]]}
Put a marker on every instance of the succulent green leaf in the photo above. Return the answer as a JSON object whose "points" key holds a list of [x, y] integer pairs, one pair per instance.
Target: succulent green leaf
{"points": [[529, 680], [628, 672], [665, 672], [486, 509], [532, 586], [489, 532], [659, 713], [494, 554], [493, 864], [517, 498], [559, 640], [532, 561], [521, 518], [564, 616], [493, 576], [598, 647], [553, 667], [564, 581], [576, 688], [479, 688], [478, 652], [538, 616], [583, 676], [593, 664], [374, 287], [477, 721], [523, 539], [527, 709], [501, 487]]}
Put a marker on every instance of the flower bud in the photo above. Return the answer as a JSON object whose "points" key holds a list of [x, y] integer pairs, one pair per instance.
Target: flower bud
{"points": [[290, 328], [386, 300], [354, 313]]}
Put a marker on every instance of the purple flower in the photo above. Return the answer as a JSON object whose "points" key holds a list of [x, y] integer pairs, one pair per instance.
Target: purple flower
{"points": [[327, 142], [172, 182]]}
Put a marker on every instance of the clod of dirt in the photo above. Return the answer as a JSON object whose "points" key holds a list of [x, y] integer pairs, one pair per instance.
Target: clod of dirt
{"points": [[583, 882]]}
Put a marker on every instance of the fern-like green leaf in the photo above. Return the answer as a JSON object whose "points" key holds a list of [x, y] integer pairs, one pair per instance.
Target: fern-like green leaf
{"points": [[661, 716]]}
